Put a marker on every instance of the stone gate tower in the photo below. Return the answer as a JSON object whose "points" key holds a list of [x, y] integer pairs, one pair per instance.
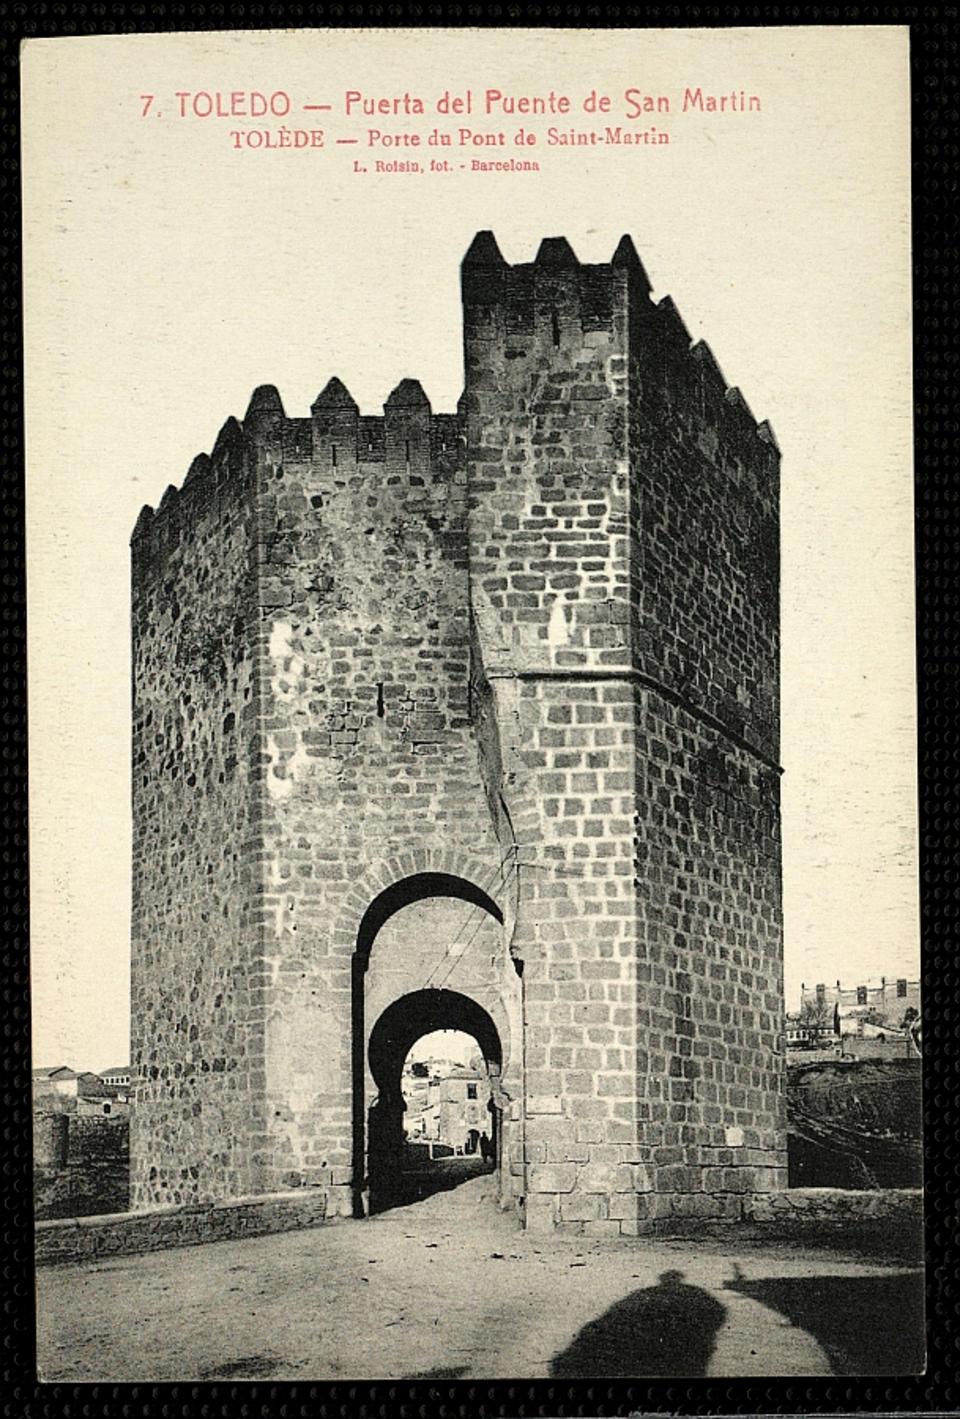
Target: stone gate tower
{"points": [[469, 721]]}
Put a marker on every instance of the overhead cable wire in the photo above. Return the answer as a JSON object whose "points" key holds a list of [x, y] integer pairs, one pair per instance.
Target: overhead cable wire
{"points": [[463, 925]]}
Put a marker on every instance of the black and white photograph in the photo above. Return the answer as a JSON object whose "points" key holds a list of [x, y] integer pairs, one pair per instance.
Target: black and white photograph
{"points": [[472, 705]]}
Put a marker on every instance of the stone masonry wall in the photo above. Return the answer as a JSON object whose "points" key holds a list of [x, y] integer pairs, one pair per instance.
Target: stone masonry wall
{"points": [[69, 1242], [710, 1061], [551, 517], [197, 1048], [80, 1165], [708, 559], [709, 1067], [578, 925], [626, 603], [866, 1219], [370, 752]]}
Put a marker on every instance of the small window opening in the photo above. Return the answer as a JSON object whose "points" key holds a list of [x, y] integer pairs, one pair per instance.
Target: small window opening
{"points": [[380, 706], [556, 330], [471, 1091], [408, 450], [333, 452]]}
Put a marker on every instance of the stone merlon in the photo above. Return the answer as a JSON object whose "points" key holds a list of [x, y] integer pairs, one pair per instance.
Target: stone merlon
{"points": [[408, 395], [265, 402], [229, 438], [334, 395], [625, 257], [483, 251], [199, 468], [556, 251], [144, 521]]}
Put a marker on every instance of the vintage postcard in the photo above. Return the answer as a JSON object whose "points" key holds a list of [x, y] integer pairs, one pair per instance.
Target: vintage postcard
{"points": [[472, 709]]}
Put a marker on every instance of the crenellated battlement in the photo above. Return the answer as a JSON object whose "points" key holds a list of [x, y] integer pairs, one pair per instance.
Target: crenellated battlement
{"points": [[406, 438], [524, 309], [686, 374], [555, 294], [560, 301]]}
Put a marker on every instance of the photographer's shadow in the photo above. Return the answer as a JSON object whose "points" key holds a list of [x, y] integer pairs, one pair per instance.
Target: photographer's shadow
{"points": [[667, 1329]]}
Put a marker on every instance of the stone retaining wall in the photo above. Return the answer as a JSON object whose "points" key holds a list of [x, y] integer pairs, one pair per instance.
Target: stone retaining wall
{"points": [[125, 1233], [81, 1165]]}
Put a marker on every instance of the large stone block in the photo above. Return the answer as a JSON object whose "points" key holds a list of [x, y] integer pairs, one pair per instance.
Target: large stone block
{"points": [[541, 1212], [625, 1206], [579, 1207], [544, 1104], [552, 1177], [605, 1178]]}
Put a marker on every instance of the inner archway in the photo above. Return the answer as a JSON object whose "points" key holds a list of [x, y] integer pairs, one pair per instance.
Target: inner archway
{"points": [[450, 1121], [429, 956], [392, 1157]]}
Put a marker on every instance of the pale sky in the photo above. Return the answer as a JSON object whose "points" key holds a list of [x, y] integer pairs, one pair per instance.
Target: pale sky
{"points": [[444, 1044], [167, 274]]}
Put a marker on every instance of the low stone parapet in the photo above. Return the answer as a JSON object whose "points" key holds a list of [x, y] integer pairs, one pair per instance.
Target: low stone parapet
{"points": [[78, 1239], [825, 1205], [793, 1211], [889, 1217]]}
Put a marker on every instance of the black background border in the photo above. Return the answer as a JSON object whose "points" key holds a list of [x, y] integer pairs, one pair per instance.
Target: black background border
{"points": [[935, 95]]}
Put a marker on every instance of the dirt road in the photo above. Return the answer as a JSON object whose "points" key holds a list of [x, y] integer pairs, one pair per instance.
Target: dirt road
{"points": [[451, 1287]]}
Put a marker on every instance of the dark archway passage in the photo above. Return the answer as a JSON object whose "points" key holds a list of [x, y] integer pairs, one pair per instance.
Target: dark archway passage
{"points": [[401, 1024], [420, 1013]]}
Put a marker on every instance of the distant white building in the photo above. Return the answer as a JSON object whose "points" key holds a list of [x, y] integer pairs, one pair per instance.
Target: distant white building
{"points": [[60, 1089], [447, 1102], [118, 1078], [804, 1034], [887, 999], [62, 1082]]}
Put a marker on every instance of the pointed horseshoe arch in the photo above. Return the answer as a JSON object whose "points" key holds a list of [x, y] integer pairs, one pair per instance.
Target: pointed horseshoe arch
{"points": [[419, 1013], [423, 1005], [415, 889]]}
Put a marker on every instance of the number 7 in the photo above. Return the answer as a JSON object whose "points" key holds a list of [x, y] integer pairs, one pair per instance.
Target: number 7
{"points": [[146, 100]]}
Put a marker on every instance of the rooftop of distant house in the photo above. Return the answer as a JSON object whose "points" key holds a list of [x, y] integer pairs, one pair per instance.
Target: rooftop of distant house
{"points": [[87, 1081], [872, 983]]}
